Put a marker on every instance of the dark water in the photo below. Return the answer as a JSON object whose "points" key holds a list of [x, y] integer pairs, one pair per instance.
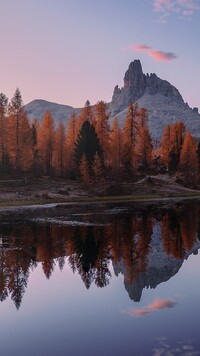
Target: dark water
{"points": [[109, 280]]}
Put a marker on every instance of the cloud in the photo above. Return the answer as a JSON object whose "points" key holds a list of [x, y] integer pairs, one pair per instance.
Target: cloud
{"points": [[140, 312], [156, 55], [162, 56], [189, 4], [157, 304], [141, 47], [183, 7], [163, 5]]}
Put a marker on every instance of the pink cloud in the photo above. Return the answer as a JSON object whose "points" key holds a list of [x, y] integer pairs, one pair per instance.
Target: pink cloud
{"points": [[156, 55], [140, 312], [162, 56], [140, 47], [159, 304]]}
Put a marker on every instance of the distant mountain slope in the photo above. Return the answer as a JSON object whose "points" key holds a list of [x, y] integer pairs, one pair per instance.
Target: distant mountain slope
{"points": [[161, 111], [37, 109]]}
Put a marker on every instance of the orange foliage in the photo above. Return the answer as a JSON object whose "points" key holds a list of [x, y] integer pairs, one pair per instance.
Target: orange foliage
{"points": [[84, 170], [18, 135], [115, 145], [188, 159], [144, 148], [46, 140], [59, 157], [129, 135], [102, 128]]}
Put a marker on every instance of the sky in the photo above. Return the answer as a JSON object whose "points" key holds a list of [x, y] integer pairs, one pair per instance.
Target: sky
{"points": [[70, 51]]}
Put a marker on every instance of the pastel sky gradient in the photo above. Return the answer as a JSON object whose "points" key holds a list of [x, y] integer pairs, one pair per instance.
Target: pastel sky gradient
{"points": [[68, 51]]}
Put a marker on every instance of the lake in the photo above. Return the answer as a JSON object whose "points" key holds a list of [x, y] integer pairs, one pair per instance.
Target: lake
{"points": [[107, 279]]}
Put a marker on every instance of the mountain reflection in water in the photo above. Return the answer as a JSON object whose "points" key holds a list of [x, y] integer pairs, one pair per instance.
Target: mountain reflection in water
{"points": [[147, 246]]}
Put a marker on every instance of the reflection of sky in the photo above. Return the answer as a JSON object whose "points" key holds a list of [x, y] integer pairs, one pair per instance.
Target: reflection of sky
{"points": [[60, 316]]}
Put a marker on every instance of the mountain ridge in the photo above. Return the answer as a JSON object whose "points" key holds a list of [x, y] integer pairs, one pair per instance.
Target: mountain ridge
{"points": [[162, 100]]}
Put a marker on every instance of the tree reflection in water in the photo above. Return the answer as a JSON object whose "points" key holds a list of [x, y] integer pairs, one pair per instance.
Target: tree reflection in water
{"points": [[146, 245]]}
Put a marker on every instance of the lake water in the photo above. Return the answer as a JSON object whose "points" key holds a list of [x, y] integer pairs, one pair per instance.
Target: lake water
{"points": [[104, 280]]}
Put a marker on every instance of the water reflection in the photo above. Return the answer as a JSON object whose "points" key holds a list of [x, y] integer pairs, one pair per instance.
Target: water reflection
{"points": [[147, 246]]}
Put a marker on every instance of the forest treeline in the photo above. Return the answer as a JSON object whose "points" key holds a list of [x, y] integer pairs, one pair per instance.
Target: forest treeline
{"points": [[89, 147]]}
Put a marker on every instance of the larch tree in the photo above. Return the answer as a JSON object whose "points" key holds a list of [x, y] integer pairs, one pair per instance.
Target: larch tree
{"points": [[129, 136], [143, 117], [98, 171], [34, 143], [3, 133], [198, 156], [18, 134], [165, 145], [46, 138], [84, 170], [144, 149], [71, 138], [59, 157], [86, 114], [25, 145], [102, 128], [176, 142], [188, 165], [115, 145]]}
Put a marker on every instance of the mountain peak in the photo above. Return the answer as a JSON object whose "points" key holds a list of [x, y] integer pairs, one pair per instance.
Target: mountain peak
{"points": [[134, 74], [134, 80], [136, 84]]}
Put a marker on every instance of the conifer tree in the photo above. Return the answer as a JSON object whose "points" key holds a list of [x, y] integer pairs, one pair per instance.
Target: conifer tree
{"points": [[3, 133], [88, 144], [25, 145], [86, 114], [84, 170], [115, 145], [59, 157], [129, 135], [188, 165], [97, 168], [18, 134], [144, 148], [143, 117], [102, 128], [165, 145], [176, 141], [34, 143], [71, 138], [46, 140]]}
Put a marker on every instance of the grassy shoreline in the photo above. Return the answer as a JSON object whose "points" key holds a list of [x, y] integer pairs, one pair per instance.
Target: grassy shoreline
{"points": [[101, 199]]}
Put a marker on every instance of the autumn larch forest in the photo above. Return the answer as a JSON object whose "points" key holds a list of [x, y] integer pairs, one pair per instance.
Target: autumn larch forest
{"points": [[91, 150]]}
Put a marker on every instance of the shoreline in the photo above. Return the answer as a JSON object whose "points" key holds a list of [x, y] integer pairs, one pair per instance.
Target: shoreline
{"points": [[50, 204]]}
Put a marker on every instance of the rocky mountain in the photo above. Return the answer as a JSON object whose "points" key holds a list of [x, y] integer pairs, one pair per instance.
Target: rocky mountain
{"points": [[162, 100]]}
